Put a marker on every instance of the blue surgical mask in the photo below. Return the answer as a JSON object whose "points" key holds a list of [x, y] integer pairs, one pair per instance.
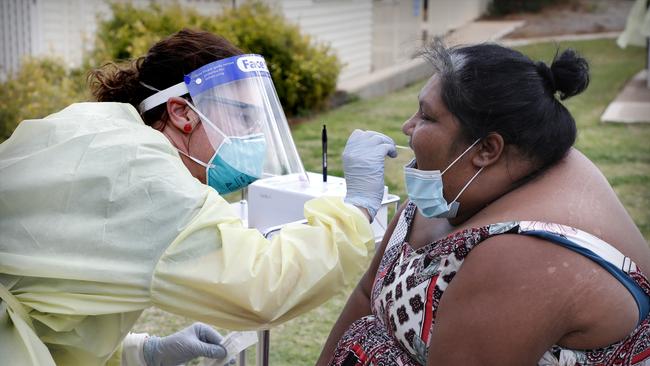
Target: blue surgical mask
{"points": [[237, 163], [425, 189]]}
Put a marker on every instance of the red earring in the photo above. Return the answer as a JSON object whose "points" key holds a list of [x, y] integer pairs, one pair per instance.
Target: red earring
{"points": [[187, 127]]}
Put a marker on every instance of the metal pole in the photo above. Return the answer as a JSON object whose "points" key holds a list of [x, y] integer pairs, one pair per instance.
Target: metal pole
{"points": [[264, 337], [266, 340], [647, 62]]}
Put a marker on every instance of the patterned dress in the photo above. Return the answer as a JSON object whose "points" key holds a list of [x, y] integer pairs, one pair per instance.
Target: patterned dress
{"points": [[410, 283]]}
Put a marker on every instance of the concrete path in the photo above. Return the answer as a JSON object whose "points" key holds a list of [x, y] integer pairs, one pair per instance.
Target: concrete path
{"points": [[568, 37], [632, 105], [482, 31]]}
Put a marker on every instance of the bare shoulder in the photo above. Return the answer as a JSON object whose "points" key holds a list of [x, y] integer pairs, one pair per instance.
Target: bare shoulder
{"points": [[532, 294], [575, 193], [522, 270], [504, 306]]}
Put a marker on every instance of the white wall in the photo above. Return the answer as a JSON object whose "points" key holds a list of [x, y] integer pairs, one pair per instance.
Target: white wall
{"points": [[444, 15], [16, 41], [400, 27], [346, 25], [65, 28], [366, 35], [397, 31], [62, 28]]}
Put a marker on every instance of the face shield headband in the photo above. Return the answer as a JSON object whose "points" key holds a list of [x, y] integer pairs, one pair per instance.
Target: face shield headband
{"points": [[162, 96]]}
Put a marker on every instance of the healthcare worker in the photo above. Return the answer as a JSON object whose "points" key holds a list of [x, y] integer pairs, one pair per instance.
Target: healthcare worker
{"points": [[109, 208]]}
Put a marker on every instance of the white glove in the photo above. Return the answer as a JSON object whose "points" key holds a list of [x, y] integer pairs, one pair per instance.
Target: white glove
{"points": [[194, 341], [363, 166]]}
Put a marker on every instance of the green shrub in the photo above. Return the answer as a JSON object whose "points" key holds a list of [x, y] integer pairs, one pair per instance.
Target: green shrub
{"points": [[39, 88], [502, 7], [304, 72], [131, 31]]}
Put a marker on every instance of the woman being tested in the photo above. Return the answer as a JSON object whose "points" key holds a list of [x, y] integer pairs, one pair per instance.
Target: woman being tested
{"points": [[512, 249], [102, 218]]}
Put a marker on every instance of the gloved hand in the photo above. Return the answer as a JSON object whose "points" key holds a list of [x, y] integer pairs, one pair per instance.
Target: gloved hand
{"points": [[196, 340], [363, 166]]}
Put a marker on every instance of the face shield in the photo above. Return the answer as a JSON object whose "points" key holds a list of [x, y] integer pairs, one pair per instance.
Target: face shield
{"points": [[242, 118]]}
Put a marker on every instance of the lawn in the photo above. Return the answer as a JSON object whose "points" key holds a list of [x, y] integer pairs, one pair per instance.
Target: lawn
{"points": [[622, 152]]}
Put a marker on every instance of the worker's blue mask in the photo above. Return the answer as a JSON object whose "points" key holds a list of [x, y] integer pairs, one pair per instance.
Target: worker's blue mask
{"points": [[237, 162], [425, 189]]}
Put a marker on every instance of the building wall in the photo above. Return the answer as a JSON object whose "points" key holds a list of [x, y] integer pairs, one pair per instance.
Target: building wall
{"points": [[444, 15], [16, 22], [343, 24], [61, 28], [396, 31], [402, 27], [366, 35], [66, 28]]}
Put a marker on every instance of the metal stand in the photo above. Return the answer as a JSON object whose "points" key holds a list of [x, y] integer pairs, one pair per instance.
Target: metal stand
{"points": [[261, 350], [647, 62], [647, 56], [264, 338]]}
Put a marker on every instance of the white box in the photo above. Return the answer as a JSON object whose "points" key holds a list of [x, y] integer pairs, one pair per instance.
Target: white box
{"points": [[279, 200]]}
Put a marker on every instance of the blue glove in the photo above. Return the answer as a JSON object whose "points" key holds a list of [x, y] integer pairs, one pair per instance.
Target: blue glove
{"points": [[363, 166], [196, 340]]}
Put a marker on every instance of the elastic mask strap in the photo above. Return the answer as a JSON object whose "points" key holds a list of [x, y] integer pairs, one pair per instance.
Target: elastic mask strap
{"points": [[205, 119], [207, 166], [460, 156], [468, 183]]}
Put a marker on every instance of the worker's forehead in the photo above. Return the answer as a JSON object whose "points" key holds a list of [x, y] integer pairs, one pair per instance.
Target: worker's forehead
{"points": [[246, 90]]}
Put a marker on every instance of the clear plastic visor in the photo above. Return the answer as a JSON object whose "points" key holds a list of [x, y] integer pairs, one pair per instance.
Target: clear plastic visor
{"points": [[231, 110], [247, 107]]}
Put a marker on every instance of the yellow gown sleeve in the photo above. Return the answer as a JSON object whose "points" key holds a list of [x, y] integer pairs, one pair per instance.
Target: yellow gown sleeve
{"points": [[221, 273]]}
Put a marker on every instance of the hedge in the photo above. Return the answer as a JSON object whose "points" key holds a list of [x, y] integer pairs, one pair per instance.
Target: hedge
{"points": [[304, 72]]}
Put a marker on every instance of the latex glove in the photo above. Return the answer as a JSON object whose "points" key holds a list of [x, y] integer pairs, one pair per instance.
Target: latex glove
{"points": [[194, 341], [363, 166]]}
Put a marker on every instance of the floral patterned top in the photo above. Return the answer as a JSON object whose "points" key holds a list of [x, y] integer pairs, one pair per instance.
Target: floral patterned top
{"points": [[410, 283]]}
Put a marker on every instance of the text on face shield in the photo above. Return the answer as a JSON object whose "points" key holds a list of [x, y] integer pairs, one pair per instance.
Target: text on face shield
{"points": [[251, 63]]}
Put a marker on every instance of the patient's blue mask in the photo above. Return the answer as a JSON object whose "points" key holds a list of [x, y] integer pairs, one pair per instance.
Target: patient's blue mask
{"points": [[425, 189], [238, 162]]}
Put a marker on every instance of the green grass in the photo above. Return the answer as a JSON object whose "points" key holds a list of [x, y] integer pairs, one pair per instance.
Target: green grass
{"points": [[622, 152]]}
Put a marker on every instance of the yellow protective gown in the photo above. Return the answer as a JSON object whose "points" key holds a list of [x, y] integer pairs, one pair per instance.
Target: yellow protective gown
{"points": [[100, 219]]}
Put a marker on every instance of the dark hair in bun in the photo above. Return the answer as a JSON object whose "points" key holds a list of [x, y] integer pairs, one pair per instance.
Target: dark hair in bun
{"points": [[494, 89], [570, 74]]}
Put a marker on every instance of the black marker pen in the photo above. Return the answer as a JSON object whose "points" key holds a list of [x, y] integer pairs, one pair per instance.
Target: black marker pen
{"points": [[324, 141]]}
